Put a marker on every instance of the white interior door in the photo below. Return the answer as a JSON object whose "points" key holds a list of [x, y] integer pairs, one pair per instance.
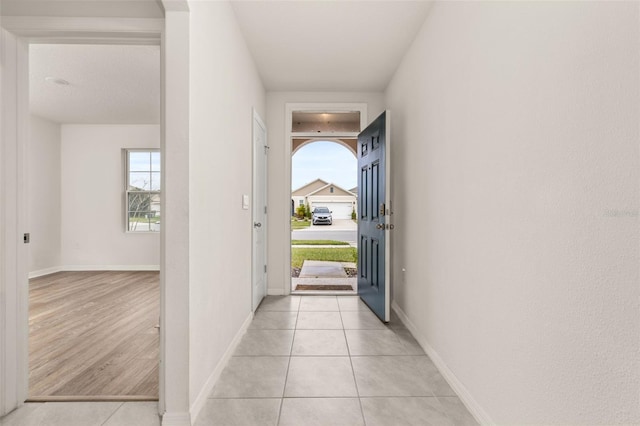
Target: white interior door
{"points": [[259, 208]]}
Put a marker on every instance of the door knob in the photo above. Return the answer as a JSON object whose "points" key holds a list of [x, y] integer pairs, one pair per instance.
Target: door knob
{"points": [[257, 224], [380, 226]]}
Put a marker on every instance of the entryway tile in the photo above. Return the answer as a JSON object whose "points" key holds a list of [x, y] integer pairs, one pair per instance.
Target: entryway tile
{"points": [[264, 320], [30, 414], [410, 344], [321, 412], [362, 320], [319, 321], [280, 303], [319, 303], [320, 377], [351, 303], [404, 412], [437, 383], [319, 342], [76, 414], [457, 412], [245, 377], [239, 412], [389, 376], [374, 342], [265, 342], [135, 413], [395, 322]]}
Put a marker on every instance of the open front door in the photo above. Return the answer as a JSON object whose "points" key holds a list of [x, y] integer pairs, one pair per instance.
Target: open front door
{"points": [[259, 213], [374, 221]]}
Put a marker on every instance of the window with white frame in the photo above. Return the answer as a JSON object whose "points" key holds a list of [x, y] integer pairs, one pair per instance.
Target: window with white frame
{"points": [[143, 190]]}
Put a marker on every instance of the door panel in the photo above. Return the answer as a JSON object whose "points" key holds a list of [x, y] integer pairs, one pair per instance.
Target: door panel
{"points": [[374, 285], [259, 213]]}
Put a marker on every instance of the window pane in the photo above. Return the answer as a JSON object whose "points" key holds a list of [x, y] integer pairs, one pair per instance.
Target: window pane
{"points": [[155, 181], [139, 203], [143, 191], [155, 161], [139, 161], [139, 181]]}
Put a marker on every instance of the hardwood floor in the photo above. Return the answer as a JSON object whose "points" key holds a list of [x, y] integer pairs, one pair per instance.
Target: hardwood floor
{"points": [[93, 335]]}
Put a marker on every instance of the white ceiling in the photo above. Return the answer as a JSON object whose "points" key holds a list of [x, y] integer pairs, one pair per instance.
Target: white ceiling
{"points": [[107, 84], [302, 45], [329, 45], [81, 8]]}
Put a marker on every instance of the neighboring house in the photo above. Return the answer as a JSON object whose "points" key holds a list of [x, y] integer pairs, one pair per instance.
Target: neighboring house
{"points": [[320, 193]]}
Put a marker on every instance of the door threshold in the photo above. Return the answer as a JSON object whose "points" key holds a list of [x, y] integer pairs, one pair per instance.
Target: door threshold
{"points": [[324, 293], [91, 398]]}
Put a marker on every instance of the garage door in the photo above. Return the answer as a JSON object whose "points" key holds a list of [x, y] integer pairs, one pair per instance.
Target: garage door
{"points": [[339, 210]]}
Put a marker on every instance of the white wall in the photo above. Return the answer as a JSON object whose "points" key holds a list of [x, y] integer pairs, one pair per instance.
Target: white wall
{"points": [[93, 218], [43, 189], [279, 169], [225, 87], [515, 143]]}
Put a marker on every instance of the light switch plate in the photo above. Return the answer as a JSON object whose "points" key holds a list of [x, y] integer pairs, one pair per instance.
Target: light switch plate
{"points": [[245, 202]]}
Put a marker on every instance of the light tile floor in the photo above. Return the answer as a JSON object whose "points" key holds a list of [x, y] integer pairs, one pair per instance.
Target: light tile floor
{"points": [[84, 414], [305, 360], [327, 360]]}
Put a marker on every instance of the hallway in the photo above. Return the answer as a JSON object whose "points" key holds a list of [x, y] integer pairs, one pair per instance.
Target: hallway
{"points": [[312, 360], [327, 360]]}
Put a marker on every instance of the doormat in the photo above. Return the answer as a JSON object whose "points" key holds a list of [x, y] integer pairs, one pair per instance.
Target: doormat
{"points": [[323, 287]]}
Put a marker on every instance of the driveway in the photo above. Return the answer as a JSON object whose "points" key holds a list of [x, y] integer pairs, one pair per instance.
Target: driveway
{"points": [[337, 225], [340, 230]]}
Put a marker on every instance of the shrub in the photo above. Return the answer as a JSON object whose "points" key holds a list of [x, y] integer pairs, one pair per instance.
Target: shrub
{"points": [[301, 212]]}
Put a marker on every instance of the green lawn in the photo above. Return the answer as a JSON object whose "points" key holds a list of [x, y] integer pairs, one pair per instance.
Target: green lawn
{"points": [[295, 224], [318, 243], [299, 255], [144, 219]]}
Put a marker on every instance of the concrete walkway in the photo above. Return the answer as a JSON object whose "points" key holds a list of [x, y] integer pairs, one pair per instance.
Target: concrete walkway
{"points": [[321, 269], [323, 273]]}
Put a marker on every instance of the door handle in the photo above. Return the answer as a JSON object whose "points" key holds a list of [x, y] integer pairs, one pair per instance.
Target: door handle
{"points": [[257, 224], [380, 226]]}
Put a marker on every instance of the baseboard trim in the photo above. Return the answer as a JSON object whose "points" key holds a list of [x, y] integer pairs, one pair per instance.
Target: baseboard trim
{"points": [[201, 399], [45, 271], [275, 292], [74, 268], [77, 268], [176, 419], [460, 389]]}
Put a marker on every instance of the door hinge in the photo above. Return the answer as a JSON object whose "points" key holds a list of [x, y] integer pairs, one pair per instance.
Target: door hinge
{"points": [[26, 238], [265, 269], [265, 209]]}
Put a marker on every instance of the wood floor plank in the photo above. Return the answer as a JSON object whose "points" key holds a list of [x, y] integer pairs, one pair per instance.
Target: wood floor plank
{"points": [[93, 335]]}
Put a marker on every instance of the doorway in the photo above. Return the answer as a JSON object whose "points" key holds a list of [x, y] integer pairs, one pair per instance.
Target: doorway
{"points": [[93, 198], [323, 246]]}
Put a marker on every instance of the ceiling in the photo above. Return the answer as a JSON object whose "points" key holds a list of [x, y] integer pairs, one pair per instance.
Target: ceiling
{"points": [[106, 84], [329, 45], [84, 8], [302, 45]]}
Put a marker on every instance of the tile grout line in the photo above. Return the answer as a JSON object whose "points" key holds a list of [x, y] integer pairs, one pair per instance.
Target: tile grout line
{"points": [[112, 414], [353, 370], [286, 375]]}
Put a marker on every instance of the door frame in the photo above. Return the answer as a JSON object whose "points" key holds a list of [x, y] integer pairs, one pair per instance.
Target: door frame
{"points": [[290, 108], [171, 34], [257, 120]]}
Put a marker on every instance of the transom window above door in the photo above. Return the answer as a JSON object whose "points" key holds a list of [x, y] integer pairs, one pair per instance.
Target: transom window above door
{"points": [[142, 190]]}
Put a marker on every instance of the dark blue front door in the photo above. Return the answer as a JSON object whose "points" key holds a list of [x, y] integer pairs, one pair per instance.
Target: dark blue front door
{"points": [[373, 273]]}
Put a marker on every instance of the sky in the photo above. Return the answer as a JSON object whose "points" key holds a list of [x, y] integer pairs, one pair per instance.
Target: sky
{"points": [[328, 161]]}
